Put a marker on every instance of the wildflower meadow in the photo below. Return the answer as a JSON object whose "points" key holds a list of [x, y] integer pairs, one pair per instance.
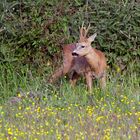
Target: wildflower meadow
{"points": [[42, 111], [33, 34]]}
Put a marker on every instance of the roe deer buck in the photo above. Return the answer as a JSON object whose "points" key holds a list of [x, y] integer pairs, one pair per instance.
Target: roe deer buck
{"points": [[77, 61], [74, 66], [95, 58]]}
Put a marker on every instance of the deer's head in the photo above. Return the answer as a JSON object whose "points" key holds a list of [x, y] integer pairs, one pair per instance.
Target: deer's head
{"points": [[83, 47]]}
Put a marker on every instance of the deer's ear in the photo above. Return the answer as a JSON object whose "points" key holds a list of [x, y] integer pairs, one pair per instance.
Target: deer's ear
{"points": [[92, 38]]}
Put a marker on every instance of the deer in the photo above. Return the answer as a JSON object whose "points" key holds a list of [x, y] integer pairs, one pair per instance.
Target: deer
{"points": [[95, 58], [81, 59], [73, 66]]}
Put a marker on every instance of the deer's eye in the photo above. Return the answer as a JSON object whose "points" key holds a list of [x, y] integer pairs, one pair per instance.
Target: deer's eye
{"points": [[82, 46]]}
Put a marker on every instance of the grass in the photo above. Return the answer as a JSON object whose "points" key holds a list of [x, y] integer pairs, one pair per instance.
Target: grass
{"points": [[32, 109]]}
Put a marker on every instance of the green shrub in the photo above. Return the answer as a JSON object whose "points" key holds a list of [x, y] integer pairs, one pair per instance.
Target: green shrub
{"points": [[33, 32]]}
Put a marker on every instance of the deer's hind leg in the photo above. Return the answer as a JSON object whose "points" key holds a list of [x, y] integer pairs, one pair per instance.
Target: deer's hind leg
{"points": [[63, 70], [89, 81]]}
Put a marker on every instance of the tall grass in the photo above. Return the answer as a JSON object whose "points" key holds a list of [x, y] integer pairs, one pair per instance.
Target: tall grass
{"points": [[13, 79], [33, 109]]}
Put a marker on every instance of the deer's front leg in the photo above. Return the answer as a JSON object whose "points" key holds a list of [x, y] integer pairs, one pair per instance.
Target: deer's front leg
{"points": [[73, 78], [103, 81], [89, 81]]}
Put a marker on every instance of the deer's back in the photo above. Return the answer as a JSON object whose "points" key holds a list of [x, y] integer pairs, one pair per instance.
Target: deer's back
{"points": [[102, 59]]}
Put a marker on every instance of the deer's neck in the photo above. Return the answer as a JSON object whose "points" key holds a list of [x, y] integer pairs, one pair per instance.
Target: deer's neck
{"points": [[93, 60]]}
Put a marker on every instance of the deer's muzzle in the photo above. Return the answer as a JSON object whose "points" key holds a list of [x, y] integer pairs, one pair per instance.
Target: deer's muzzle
{"points": [[74, 54]]}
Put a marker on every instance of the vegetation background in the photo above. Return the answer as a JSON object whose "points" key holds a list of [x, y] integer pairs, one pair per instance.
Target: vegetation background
{"points": [[32, 33]]}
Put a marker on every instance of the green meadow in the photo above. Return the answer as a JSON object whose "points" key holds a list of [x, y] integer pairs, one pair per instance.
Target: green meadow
{"points": [[32, 34], [38, 110]]}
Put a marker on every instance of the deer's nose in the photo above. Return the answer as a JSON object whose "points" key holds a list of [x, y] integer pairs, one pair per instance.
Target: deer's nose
{"points": [[74, 53]]}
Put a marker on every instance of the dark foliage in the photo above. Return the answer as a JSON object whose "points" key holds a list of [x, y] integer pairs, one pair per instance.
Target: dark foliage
{"points": [[33, 32]]}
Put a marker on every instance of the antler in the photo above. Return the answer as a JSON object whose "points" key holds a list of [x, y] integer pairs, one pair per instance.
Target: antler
{"points": [[83, 32], [86, 30]]}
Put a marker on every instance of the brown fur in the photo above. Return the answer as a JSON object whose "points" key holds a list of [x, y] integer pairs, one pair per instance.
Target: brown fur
{"points": [[95, 58], [74, 66], [89, 63]]}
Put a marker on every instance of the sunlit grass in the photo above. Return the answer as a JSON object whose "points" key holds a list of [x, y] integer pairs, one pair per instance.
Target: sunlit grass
{"points": [[41, 111]]}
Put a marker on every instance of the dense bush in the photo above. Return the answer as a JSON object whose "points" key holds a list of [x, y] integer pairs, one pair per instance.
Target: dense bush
{"points": [[33, 32]]}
